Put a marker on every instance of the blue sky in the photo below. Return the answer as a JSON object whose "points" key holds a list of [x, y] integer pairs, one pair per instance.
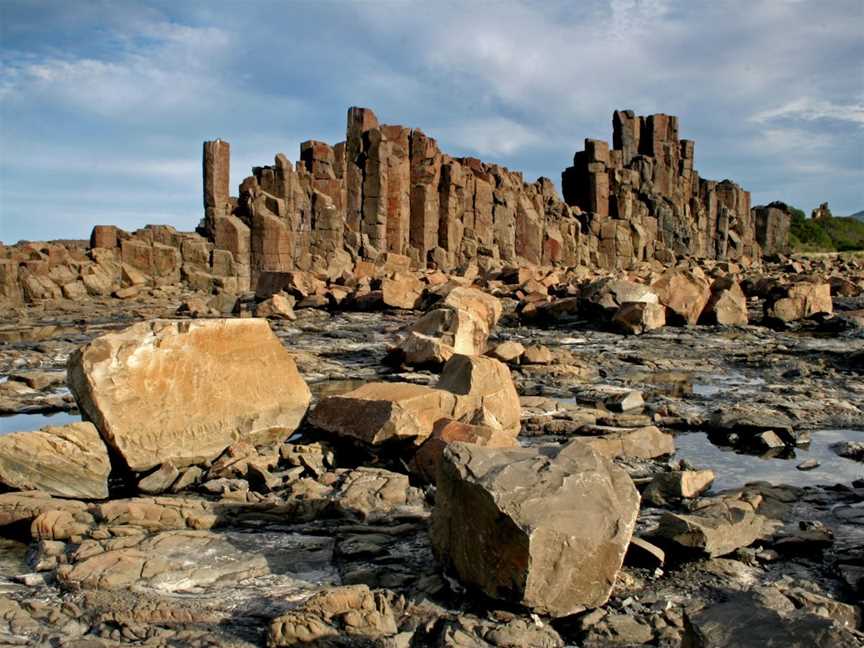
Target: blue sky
{"points": [[104, 105]]}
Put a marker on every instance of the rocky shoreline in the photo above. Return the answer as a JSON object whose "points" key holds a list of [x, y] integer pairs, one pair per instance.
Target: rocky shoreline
{"points": [[487, 459]]}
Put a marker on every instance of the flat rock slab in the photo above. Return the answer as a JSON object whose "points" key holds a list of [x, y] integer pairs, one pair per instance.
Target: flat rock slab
{"points": [[183, 391], [546, 528], [229, 570], [66, 461]]}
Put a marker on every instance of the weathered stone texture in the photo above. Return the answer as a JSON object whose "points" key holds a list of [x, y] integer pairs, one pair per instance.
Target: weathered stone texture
{"points": [[180, 391]]}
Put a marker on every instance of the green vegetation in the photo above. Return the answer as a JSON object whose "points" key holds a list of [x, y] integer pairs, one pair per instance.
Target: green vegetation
{"points": [[826, 235]]}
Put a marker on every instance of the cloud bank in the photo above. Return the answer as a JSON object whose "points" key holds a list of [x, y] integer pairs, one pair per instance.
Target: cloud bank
{"points": [[104, 105]]}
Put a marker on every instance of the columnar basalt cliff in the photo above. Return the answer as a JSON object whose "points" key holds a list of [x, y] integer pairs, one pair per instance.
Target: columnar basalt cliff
{"points": [[389, 189], [387, 194]]}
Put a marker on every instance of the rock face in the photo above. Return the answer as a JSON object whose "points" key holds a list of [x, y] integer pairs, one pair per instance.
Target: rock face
{"points": [[182, 392], [546, 528], [67, 461]]}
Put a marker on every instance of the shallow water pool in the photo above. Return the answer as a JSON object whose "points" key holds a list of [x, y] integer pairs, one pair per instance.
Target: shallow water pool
{"points": [[734, 469], [28, 422]]}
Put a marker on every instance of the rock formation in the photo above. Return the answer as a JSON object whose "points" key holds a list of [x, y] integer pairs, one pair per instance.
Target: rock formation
{"points": [[388, 194]]}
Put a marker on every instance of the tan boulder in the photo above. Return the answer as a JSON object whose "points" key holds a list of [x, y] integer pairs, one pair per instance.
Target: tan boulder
{"points": [[446, 431], [376, 413], [484, 392], [482, 304], [401, 291], [638, 317], [670, 487], [637, 443], [66, 461], [684, 293], [279, 306], [799, 301], [545, 528], [182, 391], [439, 334], [508, 351], [727, 305]]}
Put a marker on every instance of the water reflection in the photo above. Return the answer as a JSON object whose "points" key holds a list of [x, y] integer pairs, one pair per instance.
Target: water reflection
{"points": [[28, 422]]}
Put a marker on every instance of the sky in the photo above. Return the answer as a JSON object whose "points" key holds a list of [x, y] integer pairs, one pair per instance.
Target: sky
{"points": [[104, 104]]}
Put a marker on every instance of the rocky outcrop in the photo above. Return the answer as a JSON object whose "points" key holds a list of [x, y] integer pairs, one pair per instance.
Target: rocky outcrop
{"points": [[67, 461], [545, 528], [177, 391]]}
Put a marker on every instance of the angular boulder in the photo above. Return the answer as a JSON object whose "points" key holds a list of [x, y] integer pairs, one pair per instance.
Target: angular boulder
{"points": [[646, 442], [401, 291], [376, 413], [182, 391], [461, 324], [438, 335], [65, 461], [727, 305], [475, 301], [484, 391], [546, 528], [717, 528], [684, 294], [799, 301], [639, 317]]}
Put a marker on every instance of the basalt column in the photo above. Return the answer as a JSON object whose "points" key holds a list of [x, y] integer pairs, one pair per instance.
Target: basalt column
{"points": [[217, 166]]}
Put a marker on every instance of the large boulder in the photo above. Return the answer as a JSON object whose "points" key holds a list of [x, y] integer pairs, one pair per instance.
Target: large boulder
{"points": [[484, 391], [477, 302], [799, 301], [401, 291], [684, 293], [609, 294], [183, 391], [727, 305], [66, 461], [546, 528], [639, 317], [438, 335], [460, 324], [376, 413]]}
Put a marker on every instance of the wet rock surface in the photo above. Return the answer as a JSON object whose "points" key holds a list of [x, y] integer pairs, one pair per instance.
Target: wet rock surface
{"points": [[321, 537]]}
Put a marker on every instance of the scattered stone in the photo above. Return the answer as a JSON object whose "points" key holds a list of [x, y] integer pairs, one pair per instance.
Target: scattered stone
{"points": [[160, 480], [670, 487]]}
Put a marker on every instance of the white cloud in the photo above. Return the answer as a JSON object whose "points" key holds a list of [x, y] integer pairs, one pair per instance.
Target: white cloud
{"points": [[491, 137], [811, 109]]}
